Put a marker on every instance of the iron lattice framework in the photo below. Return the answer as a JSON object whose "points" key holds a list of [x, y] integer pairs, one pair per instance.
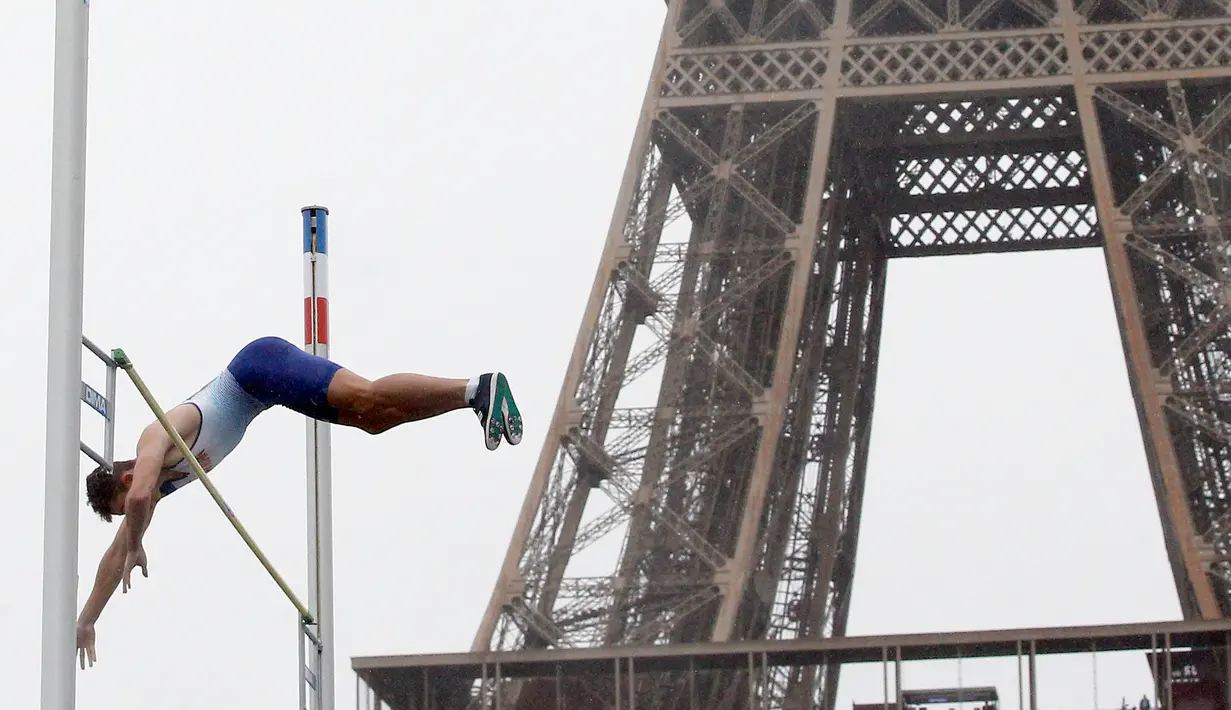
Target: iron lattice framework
{"points": [[703, 474]]}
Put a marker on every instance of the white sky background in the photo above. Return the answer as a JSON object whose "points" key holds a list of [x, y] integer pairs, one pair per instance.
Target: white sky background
{"points": [[470, 154]]}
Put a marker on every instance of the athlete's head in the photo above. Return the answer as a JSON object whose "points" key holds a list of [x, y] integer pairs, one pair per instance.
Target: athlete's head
{"points": [[106, 490]]}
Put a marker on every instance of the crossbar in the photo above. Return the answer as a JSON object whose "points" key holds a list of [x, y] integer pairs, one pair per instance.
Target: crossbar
{"points": [[122, 361]]}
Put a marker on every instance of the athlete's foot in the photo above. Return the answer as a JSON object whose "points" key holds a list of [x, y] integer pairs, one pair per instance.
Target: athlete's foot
{"points": [[498, 414]]}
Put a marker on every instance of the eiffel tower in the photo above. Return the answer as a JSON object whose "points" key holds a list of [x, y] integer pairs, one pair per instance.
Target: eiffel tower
{"points": [[703, 474]]}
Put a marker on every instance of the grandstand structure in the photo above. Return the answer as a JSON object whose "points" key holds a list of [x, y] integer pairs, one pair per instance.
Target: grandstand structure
{"points": [[689, 536]]}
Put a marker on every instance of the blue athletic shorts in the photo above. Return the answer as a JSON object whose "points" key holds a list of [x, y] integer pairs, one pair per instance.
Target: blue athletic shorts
{"points": [[276, 372]]}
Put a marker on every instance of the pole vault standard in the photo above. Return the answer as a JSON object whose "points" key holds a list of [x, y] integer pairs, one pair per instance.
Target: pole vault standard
{"points": [[319, 674], [65, 305]]}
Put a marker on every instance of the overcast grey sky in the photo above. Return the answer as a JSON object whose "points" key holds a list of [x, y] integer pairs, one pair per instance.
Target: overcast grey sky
{"points": [[471, 152]]}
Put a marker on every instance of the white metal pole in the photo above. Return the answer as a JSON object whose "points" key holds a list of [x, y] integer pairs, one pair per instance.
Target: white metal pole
{"points": [[65, 295], [320, 482]]}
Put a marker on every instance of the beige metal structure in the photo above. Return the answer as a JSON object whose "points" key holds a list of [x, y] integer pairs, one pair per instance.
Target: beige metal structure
{"points": [[618, 677], [702, 476]]}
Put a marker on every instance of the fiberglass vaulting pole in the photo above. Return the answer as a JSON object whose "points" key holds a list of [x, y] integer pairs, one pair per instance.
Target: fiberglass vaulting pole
{"points": [[65, 295], [320, 488]]}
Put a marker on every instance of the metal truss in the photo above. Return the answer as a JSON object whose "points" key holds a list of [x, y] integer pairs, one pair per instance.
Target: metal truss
{"points": [[1169, 232], [703, 473]]}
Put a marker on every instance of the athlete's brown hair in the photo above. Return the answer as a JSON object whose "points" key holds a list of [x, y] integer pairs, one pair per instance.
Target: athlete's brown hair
{"points": [[101, 486]]}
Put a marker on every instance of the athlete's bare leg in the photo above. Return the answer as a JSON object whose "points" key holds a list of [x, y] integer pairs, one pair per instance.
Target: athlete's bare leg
{"points": [[379, 405]]}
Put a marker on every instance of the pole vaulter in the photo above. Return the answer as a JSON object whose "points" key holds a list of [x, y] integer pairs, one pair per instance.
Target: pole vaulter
{"points": [[191, 439]]}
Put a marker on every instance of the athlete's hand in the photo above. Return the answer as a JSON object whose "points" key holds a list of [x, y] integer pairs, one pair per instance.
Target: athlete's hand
{"points": [[85, 644], [134, 559]]}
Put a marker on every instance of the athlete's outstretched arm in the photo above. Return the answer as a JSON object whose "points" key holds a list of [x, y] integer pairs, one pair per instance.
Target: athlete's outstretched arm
{"points": [[110, 569], [110, 572], [152, 450]]}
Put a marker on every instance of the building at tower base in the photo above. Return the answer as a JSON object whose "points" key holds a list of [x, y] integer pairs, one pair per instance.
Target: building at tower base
{"points": [[1183, 666]]}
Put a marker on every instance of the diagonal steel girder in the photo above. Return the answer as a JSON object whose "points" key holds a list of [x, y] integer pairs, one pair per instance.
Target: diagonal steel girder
{"points": [[1191, 142], [810, 550], [1190, 145], [623, 493], [689, 278], [715, 9], [729, 172], [1198, 283], [1130, 231], [790, 12]]}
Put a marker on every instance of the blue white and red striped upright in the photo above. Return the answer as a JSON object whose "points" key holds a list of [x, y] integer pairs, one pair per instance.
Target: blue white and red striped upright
{"points": [[316, 280], [320, 475]]}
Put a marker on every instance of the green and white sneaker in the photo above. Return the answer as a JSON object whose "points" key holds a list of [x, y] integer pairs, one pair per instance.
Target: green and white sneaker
{"points": [[497, 411]]}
